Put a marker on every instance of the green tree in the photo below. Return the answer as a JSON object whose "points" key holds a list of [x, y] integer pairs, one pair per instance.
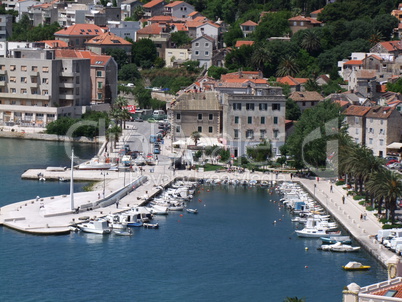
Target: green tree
{"points": [[119, 55], [129, 72], [396, 86], [260, 153], [119, 111], [142, 96], [138, 13], [239, 58], [180, 38], [287, 67], [216, 72], [293, 111], [273, 25], [232, 35], [195, 136], [144, 53], [311, 41], [114, 133]]}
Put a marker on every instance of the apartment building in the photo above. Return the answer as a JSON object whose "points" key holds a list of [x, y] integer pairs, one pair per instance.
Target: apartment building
{"points": [[253, 117], [35, 86]]}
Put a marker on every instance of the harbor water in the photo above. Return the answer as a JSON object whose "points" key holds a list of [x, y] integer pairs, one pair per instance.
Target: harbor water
{"points": [[232, 250]]}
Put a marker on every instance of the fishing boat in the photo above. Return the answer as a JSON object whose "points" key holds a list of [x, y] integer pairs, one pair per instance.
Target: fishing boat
{"points": [[98, 226], [192, 211], [356, 266]]}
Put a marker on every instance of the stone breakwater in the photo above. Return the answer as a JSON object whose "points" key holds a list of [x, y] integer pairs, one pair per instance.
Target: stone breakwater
{"points": [[49, 137]]}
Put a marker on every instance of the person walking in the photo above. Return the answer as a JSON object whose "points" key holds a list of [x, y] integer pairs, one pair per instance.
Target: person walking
{"points": [[343, 199], [330, 189]]}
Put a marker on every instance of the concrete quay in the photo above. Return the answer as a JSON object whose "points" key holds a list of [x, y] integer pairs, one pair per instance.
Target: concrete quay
{"points": [[348, 214]]}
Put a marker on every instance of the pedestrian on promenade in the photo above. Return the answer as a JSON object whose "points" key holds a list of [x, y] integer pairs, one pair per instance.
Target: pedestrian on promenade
{"points": [[98, 195], [330, 189], [117, 204], [318, 179], [291, 176], [343, 199], [365, 215], [361, 216]]}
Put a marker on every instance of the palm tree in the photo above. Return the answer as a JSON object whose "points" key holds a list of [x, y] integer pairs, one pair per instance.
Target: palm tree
{"points": [[287, 67], [195, 136], [294, 299], [260, 57], [311, 41], [119, 111], [114, 132]]}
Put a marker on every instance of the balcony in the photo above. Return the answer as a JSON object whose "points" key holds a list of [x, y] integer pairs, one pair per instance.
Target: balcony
{"points": [[66, 96], [3, 72], [67, 74], [2, 83], [68, 85], [24, 96]]}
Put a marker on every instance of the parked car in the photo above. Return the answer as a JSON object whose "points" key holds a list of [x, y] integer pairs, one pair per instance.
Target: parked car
{"points": [[157, 149], [138, 119]]}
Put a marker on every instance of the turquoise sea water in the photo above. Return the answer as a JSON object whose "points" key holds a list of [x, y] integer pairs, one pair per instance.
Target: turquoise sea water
{"points": [[230, 251]]}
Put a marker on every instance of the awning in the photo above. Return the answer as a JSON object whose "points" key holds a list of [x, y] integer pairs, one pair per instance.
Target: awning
{"points": [[394, 146]]}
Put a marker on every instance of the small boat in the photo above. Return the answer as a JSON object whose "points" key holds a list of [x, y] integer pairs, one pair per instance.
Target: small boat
{"points": [[151, 225], [316, 233], [333, 240], [127, 232], [339, 247], [192, 211], [98, 226], [94, 164], [356, 266]]}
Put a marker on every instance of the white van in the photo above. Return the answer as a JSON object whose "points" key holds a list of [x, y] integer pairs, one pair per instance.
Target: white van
{"points": [[158, 113]]}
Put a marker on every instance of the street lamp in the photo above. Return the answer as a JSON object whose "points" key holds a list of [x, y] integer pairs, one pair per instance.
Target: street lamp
{"points": [[104, 182]]}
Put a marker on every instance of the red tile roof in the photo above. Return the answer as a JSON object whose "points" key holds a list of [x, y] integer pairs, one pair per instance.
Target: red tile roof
{"points": [[152, 3], [380, 112], [305, 19], [299, 96], [355, 110], [96, 60], [152, 29], [241, 43], [249, 23], [353, 62], [391, 45], [316, 12], [55, 43], [342, 103], [108, 39], [173, 4], [291, 81], [80, 30], [383, 291], [160, 18]]}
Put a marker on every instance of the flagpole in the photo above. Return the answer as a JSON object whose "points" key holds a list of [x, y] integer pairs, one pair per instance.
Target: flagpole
{"points": [[72, 181]]}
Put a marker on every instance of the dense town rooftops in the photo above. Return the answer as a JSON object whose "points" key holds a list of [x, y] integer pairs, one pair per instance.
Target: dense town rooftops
{"points": [[299, 96], [380, 112], [96, 60], [80, 30], [152, 3], [291, 81], [356, 110], [108, 39]]}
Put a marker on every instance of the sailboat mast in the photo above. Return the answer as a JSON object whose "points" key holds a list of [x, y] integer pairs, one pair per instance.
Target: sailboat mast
{"points": [[72, 181]]}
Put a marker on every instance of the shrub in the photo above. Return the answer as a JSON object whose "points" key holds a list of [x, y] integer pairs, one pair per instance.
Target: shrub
{"points": [[358, 197], [340, 183], [369, 208]]}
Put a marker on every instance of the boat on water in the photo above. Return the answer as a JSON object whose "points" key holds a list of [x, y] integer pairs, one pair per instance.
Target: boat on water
{"points": [[192, 211], [98, 226], [356, 266], [333, 240], [127, 232], [95, 164], [339, 247], [135, 224], [317, 233], [149, 225]]}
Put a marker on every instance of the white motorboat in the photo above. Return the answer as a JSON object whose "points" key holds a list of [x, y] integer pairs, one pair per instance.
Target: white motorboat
{"points": [[98, 226], [148, 225], [95, 164], [115, 222], [127, 232], [159, 210], [316, 233], [192, 211], [339, 247]]}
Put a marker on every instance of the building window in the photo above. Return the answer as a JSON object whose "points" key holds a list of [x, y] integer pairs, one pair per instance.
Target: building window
{"points": [[262, 120], [236, 119], [196, 52], [12, 67], [34, 68], [13, 79], [275, 120], [371, 120], [381, 122], [23, 68], [177, 129], [99, 73], [381, 131], [276, 133], [200, 116], [34, 91], [45, 69], [263, 106], [210, 116], [100, 96], [304, 104], [23, 91], [263, 132], [45, 92], [249, 106], [197, 44], [356, 120], [276, 106], [371, 130], [357, 130], [23, 79], [178, 116], [381, 142], [199, 129], [249, 120], [206, 44], [312, 104], [13, 90], [77, 91], [206, 53], [370, 141], [100, 85], [250, 134], [236, 106], [236, 133], [45, 81], [210, 129]]}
